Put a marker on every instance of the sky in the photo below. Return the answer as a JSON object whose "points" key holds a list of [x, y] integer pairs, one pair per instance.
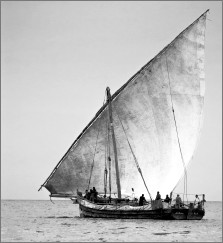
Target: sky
{"points": [[57, 58]]}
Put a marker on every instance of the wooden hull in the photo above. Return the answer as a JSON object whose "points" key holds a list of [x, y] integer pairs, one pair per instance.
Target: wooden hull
{"points": [[125, 214], [141, 213]]}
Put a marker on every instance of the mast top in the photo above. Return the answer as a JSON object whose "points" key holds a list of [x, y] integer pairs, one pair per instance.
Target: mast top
{"points": [[108, 94]]}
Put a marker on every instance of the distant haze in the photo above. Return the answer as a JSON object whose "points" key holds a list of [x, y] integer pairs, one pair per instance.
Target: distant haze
{"points": [[57, 58]]}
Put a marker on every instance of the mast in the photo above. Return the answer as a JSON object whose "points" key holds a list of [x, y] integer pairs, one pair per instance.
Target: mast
{"points": [[109, 158], [114, 142]]}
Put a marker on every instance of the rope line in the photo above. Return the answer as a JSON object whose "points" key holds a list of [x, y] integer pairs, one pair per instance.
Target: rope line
{"points": [[93, 159], [135, 159], [104, 101], [185, 171]]}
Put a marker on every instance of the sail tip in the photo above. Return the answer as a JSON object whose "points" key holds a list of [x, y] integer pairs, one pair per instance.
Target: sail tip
{"points": [[208, 10]]}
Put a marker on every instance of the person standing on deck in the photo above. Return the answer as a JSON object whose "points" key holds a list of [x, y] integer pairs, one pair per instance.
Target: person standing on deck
{"points": [[142, 200], [133, 194], [158, 201], [95, 195], [158, 196], [178, 201], [197, 200], [91, 195]]}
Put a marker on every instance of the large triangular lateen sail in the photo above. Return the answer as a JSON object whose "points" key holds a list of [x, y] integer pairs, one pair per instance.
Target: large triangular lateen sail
{"points": [[162, 101]]}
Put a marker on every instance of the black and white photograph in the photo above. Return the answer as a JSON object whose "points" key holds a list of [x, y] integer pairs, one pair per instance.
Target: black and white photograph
{"points": [[111, 121]]}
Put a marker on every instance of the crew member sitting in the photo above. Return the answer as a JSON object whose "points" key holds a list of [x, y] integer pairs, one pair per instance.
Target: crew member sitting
{"points": [[167, 199]]}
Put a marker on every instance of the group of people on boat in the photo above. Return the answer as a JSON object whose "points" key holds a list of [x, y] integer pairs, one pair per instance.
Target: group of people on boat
{"points": [[91, 195], [196, 204], [178, 201], [167, 199], [158, 199]]}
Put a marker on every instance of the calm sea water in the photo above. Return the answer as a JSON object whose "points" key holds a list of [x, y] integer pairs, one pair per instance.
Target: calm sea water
{"points": [[45, 221]]}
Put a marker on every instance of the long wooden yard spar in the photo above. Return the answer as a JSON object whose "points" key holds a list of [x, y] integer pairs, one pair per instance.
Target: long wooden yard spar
{"points": [[114, 142]]}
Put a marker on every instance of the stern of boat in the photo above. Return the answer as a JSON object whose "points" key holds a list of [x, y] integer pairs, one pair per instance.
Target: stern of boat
{"points": [[187, 214], [196, 214]]}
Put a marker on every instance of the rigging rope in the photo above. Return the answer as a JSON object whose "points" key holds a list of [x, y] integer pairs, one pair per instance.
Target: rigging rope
{"points": [[135, 159], [95, 152], [93, 159], [185, 170]]}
